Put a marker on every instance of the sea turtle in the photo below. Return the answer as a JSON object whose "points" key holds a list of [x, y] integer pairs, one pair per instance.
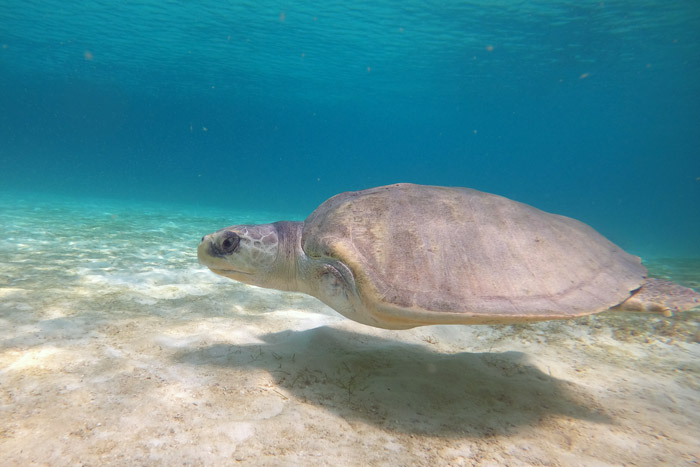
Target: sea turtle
{"points": [[406, 255]]}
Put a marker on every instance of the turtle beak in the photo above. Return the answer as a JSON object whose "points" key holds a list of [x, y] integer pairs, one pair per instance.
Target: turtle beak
{"points": [[203, 250], [207, 251]]}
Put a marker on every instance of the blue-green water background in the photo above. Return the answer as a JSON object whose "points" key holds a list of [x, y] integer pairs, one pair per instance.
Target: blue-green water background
{"points": [[585, 108]]}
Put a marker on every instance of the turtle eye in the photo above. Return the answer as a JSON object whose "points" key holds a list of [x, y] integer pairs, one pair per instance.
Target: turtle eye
{"points": [[230, 242]]}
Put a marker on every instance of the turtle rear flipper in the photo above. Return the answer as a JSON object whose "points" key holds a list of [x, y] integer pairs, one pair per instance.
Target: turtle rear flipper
{"points": [[661, 296]]}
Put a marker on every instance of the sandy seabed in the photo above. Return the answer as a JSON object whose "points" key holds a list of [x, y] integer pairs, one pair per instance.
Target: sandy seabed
{"points": [[117, 348]]}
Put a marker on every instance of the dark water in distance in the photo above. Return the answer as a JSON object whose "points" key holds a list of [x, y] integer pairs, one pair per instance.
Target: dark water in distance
{"points": [[585, 108]]}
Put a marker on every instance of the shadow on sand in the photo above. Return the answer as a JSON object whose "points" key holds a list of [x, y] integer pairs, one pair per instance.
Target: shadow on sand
{"points": [[406, 387]]}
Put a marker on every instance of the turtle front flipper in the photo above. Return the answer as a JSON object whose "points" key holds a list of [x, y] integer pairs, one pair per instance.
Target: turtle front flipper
{"points": [[661, 296], [333, 283]]}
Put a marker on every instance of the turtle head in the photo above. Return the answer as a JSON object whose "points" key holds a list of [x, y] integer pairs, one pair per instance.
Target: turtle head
{"points": [[259, 255]]}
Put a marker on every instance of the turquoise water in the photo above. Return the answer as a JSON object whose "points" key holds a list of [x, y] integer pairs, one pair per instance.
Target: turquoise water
{"points": [[588, 109], [130, 129]]}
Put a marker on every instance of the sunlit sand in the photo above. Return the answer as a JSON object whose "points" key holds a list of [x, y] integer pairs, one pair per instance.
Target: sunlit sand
{"points": [[116, 347]]}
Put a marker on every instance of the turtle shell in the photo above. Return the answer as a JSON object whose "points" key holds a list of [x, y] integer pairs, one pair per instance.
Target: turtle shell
{"points": [[459, 255]]}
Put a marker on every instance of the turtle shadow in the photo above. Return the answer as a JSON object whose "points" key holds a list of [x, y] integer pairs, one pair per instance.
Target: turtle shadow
{"points": [[406, 387]]}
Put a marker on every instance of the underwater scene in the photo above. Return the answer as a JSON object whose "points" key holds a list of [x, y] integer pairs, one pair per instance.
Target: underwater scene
{"points": [[131, 131]]}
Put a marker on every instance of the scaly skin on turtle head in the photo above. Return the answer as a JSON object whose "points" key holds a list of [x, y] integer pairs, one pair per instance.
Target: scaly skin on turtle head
{"points": [[262, 255]]}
